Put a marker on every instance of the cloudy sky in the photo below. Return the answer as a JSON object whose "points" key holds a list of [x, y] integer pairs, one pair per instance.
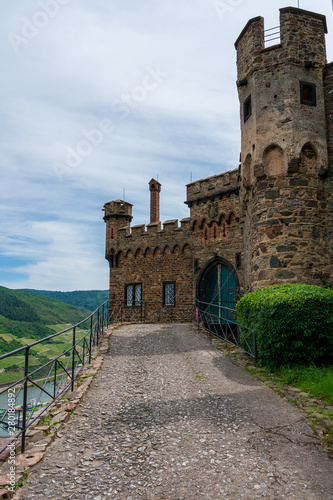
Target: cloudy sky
{"points": [[98, 97]]}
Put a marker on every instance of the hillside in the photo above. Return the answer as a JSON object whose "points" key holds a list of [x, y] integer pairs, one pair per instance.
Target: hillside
{"points": [[88, 299], [28, 316]]}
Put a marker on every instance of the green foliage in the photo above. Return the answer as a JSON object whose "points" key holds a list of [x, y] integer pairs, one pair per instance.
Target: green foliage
{"points": [[50, 311], [25, 317], [88, 299], [8, 346], [12, 307], [293, 324], [24, 329]]}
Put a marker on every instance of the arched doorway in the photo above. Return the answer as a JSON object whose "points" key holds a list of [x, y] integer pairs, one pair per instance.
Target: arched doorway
{"points": [[216, 289]]}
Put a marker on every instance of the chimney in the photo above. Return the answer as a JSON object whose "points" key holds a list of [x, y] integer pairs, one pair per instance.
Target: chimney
{"points": [[155, 188]]}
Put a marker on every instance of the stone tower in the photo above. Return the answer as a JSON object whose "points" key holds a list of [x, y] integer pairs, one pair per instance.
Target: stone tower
{"points": [[118, 217], [284, 151]]}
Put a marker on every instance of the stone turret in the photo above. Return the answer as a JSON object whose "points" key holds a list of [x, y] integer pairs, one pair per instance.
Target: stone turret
{"points": [[118, 215], [284, 157]]}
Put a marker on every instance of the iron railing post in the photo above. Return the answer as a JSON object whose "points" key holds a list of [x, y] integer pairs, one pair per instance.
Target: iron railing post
{"points": [[25, 397], [73, 359], [102, 319], [98, 326], [55, 380], [90, 338]]}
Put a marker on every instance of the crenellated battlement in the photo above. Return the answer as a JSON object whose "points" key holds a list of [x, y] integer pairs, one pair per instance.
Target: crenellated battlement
{"points": [[295, 25], [122, 239], [212, 187]]}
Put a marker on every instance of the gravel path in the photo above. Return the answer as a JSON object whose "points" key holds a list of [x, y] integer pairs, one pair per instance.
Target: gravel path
{"points": [[169, 417]]}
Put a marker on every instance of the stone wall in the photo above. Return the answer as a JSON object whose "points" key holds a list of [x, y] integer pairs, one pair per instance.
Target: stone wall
{"points": [[153, 254]]}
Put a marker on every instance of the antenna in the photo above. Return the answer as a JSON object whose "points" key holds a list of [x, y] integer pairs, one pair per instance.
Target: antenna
{"points": [[124, 194], [298, 3], [190, 176]]}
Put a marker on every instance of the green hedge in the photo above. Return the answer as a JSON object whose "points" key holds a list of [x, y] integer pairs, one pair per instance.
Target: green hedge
{"points": [[293, 324]]}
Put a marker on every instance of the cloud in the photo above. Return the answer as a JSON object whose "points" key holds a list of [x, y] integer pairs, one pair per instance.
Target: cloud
{"points": [[79, 69]]}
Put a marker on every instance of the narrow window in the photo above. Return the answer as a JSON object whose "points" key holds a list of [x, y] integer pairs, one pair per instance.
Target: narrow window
{"points": [[238, 260], [169, 296], [247, 108], [133, 294], [196, 266], [308, 93]]}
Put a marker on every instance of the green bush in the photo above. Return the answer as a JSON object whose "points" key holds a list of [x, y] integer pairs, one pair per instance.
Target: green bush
{"points": [[293, 324]]}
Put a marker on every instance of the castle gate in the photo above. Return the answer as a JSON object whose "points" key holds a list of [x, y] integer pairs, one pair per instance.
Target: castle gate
{"points": [[216, 289]]}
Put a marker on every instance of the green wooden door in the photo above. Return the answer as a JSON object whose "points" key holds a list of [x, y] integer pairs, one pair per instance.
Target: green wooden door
{"points": [[220, 289]]}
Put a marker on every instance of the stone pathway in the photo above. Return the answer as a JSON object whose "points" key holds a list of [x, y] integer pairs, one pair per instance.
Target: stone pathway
{"points": [[169, 417]]}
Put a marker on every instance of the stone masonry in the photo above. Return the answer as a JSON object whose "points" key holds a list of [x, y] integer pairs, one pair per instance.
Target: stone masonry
{"points": [[270, 220]]}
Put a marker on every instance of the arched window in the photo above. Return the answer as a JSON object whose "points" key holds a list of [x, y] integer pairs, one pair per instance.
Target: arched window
{"points": [[274, 161]]}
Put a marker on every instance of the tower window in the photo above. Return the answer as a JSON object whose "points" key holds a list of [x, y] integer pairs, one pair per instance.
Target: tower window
{"points": [[169, 295], [238, 260], [308, 93], [247, 108]]}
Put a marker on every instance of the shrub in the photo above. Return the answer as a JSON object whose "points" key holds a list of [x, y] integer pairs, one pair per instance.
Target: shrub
{"points": [[293, 324]]}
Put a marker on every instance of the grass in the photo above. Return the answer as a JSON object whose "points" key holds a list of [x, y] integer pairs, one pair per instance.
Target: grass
{"points": [[317, 382], [59, 327]]}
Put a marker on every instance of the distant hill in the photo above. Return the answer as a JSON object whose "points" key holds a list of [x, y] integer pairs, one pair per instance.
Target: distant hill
{"points": [[88, 299], [24, 314], [26, 317]]}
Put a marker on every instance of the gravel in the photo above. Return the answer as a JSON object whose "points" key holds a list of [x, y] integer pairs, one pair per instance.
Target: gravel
{"points": [[170, 417]]}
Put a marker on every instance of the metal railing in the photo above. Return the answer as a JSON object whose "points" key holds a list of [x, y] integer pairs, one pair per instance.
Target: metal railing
{"points": [[51, 379], [272, 34], [222, 322]]}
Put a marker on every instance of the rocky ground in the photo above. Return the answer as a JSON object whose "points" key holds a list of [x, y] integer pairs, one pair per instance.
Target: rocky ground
{"points": [[170, 417]]}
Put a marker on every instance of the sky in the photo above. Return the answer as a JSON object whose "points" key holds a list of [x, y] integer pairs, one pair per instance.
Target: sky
{"points": [[98, 97]]}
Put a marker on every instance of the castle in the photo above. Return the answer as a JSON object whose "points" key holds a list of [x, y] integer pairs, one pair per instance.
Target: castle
{"points": [[270, 220]]}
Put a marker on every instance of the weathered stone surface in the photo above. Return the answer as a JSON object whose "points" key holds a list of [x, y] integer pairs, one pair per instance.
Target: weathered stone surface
{"points": [[274, 262], [299, 182], [286, 248], [293, 165], [284, 274]]}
